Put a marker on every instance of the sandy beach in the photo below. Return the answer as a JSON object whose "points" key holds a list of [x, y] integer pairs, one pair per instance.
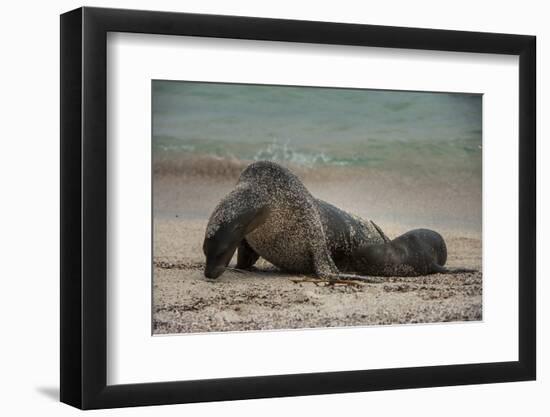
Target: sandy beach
{"points": [[265, 298]]}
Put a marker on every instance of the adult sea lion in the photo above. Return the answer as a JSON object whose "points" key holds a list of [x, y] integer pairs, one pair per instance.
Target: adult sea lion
{"points": [[417, 252], [271, 214]]}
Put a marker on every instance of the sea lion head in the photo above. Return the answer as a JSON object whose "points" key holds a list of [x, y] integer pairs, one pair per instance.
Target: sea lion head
{"points": [[233, 218], [219, 249]]}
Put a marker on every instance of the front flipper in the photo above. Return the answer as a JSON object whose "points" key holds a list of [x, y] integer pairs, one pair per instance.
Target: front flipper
{"points": [[246, 256], [438, 269]]}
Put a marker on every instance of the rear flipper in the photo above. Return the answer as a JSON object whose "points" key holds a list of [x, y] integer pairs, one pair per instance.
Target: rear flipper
{"points": [[351, 277], [438, 269], [380, 231]]}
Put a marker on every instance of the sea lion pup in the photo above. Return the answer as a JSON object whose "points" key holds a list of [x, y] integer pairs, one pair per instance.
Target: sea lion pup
{"points": [[271, 214], [415, 253]]}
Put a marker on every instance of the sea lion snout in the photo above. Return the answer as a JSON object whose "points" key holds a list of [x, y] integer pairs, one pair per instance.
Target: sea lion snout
{"points": [[218, 250], [213, 271], [218, 255]]}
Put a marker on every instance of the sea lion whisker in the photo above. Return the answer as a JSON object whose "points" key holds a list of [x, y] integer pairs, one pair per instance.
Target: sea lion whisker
{"points": [[238, 270]]}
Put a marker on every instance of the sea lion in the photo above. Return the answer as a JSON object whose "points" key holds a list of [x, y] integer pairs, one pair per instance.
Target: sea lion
{"points": [[417, 252], [271, 214]]}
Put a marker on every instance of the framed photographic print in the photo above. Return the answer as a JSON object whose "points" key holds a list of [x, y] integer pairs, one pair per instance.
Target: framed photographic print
{"points": [[257, 207]]}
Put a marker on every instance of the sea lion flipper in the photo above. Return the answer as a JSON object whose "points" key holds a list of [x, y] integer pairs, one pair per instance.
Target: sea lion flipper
{"points": [[246, 256], [362, 278], [382, 234], [323, 264], [438, 269]]}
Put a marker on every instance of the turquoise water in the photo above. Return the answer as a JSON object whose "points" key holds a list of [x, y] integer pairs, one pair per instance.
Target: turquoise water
{"points": [[312, 126]]}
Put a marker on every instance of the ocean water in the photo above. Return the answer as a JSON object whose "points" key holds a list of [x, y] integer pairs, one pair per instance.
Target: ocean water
{"points": [[319, 126]]}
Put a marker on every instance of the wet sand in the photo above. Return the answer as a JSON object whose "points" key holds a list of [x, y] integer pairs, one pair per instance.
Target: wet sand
{"points": [[265, 298]]}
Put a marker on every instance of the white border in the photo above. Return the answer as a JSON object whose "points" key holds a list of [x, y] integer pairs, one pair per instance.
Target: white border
{"points": [[135, 356]]}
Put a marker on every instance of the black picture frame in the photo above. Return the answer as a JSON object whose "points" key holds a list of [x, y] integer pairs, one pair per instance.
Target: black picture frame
{"points": [[84, 207]]}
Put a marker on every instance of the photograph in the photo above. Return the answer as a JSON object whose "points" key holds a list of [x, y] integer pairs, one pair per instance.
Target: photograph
{"points": [[298, 207]]}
